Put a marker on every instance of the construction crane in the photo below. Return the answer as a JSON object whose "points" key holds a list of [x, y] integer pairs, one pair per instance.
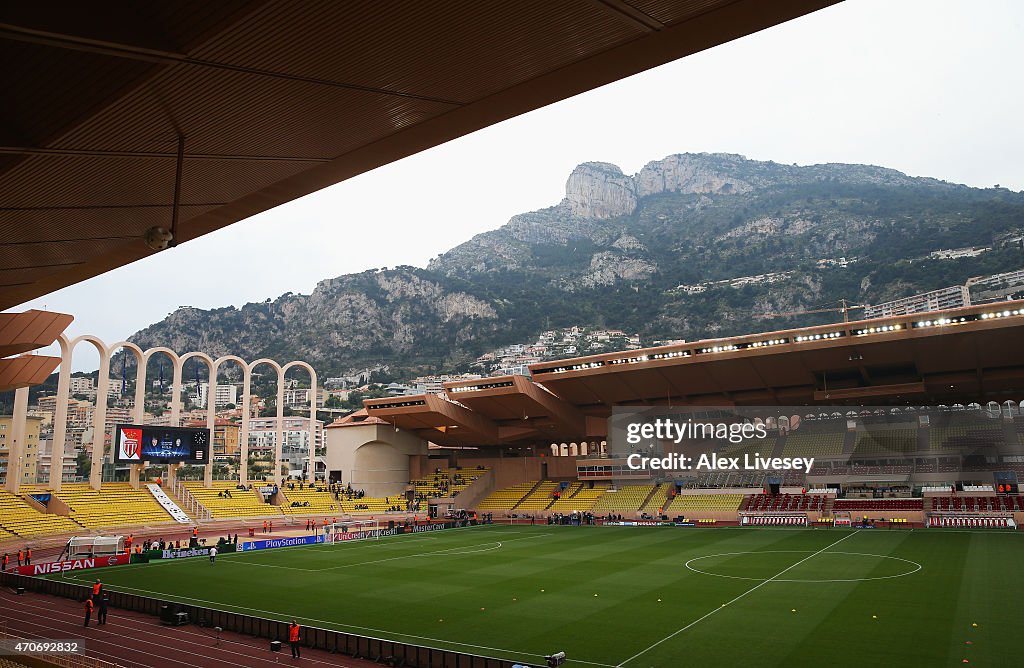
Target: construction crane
{"points": [[844, 309]]}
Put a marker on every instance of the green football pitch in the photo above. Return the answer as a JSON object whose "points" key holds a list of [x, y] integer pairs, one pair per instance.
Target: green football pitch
{"points": [[637, 596]]}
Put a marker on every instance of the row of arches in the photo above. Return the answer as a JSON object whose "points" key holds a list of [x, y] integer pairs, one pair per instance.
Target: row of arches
{"points": [[581, 449], [142, 357]]}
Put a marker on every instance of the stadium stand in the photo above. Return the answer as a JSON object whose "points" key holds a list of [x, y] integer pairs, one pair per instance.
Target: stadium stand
{"points": [[446, 482], [786, 503], [878, 504], [241, 503], [959, 436], [977, 504], [882, 442], [627, 499], [371, 504], [18, 518], [583, 499], [658, 501], [696, 503], [540, 498], [115, 504], [508, 497], [818, 443], [320, 501], [764, 446]]}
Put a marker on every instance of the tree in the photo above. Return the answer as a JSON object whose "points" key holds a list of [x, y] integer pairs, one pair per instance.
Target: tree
{"points": [[83, 464]]}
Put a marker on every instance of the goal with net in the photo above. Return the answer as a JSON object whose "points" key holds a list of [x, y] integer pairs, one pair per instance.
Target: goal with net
{"points": [[340, 532]]}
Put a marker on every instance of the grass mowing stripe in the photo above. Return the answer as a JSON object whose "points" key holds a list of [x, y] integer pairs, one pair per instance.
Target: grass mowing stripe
{"points": [[271, 614], [749, 591], [462, 549]]}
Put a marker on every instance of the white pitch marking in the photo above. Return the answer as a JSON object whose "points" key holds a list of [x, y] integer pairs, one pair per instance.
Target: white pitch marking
{"points": [[858, 554], [749, 591]]}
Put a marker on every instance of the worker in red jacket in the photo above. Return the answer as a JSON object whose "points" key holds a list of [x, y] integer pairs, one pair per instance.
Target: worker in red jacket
{"points": [[21, 556], [88, 611], [28, 557], [6, 561], [293, 638]]}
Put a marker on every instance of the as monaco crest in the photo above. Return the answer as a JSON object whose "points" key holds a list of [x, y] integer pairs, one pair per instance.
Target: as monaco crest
{"points": [[130, 444]]}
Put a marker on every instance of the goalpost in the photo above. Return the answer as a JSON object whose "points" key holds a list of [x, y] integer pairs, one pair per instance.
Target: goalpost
{"points": [[341, 532]]}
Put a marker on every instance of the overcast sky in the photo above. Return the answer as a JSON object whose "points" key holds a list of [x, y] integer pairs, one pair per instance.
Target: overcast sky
{"points": [[929, 88]]}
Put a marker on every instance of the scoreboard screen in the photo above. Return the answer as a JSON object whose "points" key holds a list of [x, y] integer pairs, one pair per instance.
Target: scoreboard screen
{"points": [[163, 445]]}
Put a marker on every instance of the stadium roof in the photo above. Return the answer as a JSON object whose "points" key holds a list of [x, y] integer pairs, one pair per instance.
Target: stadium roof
{"points": [[191, 115], [973, 354]]}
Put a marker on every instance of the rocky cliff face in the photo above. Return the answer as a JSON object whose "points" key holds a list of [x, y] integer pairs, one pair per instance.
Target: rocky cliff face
{"points": [[599, 190], [359, 318], [693, 245]]}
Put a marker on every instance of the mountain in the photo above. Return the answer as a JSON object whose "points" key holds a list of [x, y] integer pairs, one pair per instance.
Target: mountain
{"points": [[693, 246]]}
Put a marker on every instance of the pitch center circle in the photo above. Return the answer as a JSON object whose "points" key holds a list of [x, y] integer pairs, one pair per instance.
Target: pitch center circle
{"points": [[907, 567]]}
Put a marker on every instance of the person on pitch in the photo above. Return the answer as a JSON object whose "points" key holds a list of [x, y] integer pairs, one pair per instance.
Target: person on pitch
{"points": [[213, 555]]}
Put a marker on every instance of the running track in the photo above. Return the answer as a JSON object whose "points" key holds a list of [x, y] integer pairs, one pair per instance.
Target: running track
{"points": [[134, 639]]}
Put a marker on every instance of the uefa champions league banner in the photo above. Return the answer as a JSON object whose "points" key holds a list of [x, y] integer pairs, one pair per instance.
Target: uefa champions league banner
{"points": [[281, 542]]}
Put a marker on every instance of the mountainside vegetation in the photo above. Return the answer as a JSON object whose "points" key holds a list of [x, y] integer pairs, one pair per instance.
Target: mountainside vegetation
{"points": [[694, 246]]}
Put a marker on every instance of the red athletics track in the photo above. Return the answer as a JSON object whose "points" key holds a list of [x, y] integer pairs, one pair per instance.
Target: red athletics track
{"points": [[134, 639]]}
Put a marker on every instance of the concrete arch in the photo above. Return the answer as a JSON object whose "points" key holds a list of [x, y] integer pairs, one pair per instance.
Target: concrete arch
{"points": [[313, 391], [99, 415], [198, 355], [211, 406], [243, 436], [139, 411], [60, 416], [279, 432], [142, 358]]}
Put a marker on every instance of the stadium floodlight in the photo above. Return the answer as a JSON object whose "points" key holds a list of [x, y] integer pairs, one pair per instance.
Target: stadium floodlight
{"points": [[343, 532]]}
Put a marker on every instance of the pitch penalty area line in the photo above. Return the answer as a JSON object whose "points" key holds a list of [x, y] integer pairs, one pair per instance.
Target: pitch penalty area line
{"points": [[727, 604]]}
